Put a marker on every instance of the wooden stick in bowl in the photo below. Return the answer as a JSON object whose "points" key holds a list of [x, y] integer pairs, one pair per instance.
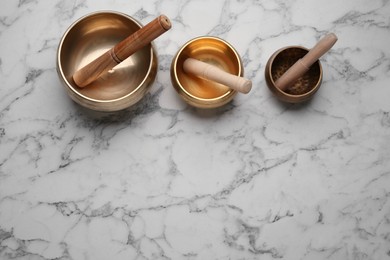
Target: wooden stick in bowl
{"points": [[213, 73], [121, 51], [302, 65]]}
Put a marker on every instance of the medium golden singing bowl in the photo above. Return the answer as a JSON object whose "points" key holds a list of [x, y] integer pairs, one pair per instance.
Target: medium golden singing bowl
{"points": [[305, 87], [200, 92], [88, 38]]}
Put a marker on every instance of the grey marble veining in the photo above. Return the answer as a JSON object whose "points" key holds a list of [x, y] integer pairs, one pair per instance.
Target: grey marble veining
{"points": [[255, 179]]}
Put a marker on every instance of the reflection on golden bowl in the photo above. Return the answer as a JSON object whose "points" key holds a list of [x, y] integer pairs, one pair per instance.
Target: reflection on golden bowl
{"points": [[200, 92], [88, 38], [305, 87]]}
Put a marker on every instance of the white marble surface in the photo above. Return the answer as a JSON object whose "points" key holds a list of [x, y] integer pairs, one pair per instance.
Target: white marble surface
{"points": [[256, 179]]}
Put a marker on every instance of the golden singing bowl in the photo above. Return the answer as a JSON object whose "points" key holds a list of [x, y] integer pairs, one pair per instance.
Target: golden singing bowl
{"points": [[305, 87], [200, 92], [88, 38]]}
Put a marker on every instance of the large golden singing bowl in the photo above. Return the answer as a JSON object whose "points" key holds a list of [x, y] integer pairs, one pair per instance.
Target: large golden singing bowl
{"points": [[88, 38], [200, 92], [305, 87]]}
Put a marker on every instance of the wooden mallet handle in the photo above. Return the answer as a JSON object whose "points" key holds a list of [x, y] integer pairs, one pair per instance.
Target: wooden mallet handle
{"points": [[121, 51], [210, 72], [302, 65]]}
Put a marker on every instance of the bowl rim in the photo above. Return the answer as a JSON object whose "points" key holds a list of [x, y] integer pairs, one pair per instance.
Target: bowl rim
{"points": [[176, 58], [271, 61], [59, 51]]}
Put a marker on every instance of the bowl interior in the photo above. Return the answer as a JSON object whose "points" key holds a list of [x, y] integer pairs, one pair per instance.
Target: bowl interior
{"points": [[285, 59], [90, 37], [215, 52]]}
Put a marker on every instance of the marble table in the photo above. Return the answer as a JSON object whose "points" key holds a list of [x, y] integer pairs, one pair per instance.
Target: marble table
{"points": [[255, 179]]}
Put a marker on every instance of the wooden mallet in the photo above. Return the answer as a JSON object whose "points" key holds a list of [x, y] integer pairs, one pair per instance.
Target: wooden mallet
{"points": [[213, 73], [302, 65], [121, 51]]}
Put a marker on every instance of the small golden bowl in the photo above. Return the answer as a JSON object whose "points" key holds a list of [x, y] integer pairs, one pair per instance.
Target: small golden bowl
{"points": [[88, 38], [305, 87], [200, 92]]}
